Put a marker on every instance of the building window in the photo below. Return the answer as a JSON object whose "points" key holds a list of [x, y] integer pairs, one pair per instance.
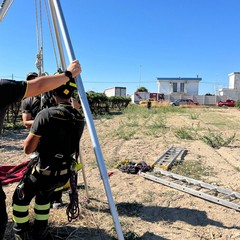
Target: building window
{"points": [[181, 87], [174, 87]]}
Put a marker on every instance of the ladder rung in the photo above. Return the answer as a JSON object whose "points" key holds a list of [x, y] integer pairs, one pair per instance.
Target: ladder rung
{"points": [[177, 181], [168, 157], [211, 190], [229, 195]]}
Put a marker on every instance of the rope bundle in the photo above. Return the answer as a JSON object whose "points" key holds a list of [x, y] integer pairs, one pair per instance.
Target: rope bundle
{"points": [[73, 210], [132, 167]]}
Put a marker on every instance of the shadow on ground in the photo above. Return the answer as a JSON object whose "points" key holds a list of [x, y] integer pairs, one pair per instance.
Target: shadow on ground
{"points": [[82, 233], [68, 233], [157, 213]]}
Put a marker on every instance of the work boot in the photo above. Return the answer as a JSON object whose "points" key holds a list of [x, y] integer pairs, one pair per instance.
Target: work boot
{"points": [[57, 204], [41, 234]]}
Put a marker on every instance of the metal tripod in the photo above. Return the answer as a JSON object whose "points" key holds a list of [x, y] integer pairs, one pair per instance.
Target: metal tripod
{"points": [[88, 116]]}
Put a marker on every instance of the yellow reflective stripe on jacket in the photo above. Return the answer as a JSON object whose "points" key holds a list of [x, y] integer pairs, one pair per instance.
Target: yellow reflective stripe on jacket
{"points": [[41, 217], [34, 135], [42, 207], [58, 189], [19, 208], [72, 84], [21, 219]]}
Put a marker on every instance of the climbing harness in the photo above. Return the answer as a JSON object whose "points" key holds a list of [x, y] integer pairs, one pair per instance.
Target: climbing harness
{"points": [[34, 157]]}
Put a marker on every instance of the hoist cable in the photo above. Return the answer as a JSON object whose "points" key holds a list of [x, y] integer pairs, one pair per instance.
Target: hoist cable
{"points": [[39, 61], [51, 34], [36, 11], [41, 39]]}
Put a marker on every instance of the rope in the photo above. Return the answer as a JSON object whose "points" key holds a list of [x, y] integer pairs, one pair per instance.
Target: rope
{"points": [[73, 210], [41, 41], [39, 57], [51, 34], [38, 62]]}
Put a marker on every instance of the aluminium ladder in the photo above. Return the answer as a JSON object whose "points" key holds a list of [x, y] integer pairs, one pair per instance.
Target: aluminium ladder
{"points": [[166, 160], [197, 188]]}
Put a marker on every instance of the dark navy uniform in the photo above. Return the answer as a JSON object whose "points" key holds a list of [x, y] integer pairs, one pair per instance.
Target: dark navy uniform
{"points": [[10, 91], [60, 129], [31, 105]]}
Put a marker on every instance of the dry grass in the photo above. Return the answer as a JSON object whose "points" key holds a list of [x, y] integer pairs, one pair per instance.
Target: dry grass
{"points": [[148, 210]]}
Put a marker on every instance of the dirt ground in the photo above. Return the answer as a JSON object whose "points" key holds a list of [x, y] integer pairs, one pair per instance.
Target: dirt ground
{"points": [[146, 210]]}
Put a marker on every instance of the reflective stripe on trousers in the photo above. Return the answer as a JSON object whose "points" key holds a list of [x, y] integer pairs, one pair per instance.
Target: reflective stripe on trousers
{"points": [[21, 213]]}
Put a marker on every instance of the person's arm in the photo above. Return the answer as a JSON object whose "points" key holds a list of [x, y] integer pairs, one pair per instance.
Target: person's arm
{"points": [[75, 103], [27, 120], [30, 143], [47, 83]]}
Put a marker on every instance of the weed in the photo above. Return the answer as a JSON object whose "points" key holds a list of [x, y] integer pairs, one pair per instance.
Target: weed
{"points": [[132, 123], [158, 122], [194, 116], [192, 169], [149, 196], [107, 116], [125, 134], [216, 140], [168, 194], [184, 133]]}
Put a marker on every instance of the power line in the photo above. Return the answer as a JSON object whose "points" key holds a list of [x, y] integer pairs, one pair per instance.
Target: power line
{"points": [[120, 82]]}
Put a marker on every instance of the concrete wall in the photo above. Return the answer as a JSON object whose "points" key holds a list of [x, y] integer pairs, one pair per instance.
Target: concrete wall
{"points": [[201, 99], [192, 88]]}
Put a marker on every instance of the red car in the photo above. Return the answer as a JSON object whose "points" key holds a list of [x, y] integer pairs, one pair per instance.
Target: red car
{"points": [[227, 103]]}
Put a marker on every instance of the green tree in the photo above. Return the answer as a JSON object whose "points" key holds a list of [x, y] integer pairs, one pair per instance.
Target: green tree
{"points": [[142, 89]]}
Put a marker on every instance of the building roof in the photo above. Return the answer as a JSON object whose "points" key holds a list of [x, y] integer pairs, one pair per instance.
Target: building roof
{"points": [[232, 73], [179, 78], [115, 87]]}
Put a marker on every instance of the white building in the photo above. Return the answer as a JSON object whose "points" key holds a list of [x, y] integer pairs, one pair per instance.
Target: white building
{"points": [[116, 92], [186, 86], [233, 90]]}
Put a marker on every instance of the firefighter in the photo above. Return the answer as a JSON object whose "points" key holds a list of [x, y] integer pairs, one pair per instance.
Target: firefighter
{"points": [[30, 106], [54, 136], [12, 91]]}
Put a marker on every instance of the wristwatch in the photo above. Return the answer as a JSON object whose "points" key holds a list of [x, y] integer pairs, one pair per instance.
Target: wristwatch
{"points": [[68, 74]]}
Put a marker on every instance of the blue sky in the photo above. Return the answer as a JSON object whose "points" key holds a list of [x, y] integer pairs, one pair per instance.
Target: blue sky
{"points": [[130, 42]]}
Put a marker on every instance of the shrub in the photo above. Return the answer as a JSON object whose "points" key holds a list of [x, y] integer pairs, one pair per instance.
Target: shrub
{"points": [[216, 140], [237, 104]]}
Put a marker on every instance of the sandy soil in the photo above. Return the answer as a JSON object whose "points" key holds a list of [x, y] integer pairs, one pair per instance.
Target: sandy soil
{"points": [[146, 210]]}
